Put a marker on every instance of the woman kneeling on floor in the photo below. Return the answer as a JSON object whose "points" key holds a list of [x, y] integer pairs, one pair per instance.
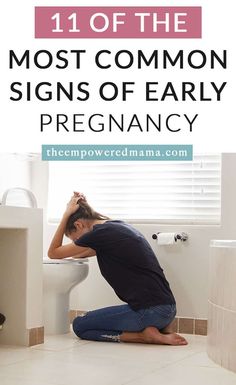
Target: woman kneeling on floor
{"points": [[129, 265]]}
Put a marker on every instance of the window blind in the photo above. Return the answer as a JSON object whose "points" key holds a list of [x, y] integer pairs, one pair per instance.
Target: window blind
{"points": [[184, 192]]}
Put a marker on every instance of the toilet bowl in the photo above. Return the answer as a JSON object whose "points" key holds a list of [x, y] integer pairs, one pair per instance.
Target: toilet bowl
{"points": [[59, 277]]}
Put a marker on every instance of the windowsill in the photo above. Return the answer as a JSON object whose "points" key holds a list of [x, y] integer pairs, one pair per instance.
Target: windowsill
{"points": [[163, 222]]}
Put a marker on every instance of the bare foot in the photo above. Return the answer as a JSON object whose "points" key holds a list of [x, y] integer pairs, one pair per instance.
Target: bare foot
{"points": [[151, 335], [155, 337]]}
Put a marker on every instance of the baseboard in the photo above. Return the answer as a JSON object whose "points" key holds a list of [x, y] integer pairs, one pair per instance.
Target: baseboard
{"points": [[190, 326], [36, 336]]}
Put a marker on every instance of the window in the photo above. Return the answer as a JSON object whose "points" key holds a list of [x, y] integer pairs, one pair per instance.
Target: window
{"points": [[173, 192]]}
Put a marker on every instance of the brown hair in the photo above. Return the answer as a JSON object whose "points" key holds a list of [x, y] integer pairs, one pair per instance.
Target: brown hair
{"points": [[85, 211]]}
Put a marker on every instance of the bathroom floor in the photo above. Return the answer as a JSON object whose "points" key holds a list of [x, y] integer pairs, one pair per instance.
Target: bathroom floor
{"points": [[65, 360]]}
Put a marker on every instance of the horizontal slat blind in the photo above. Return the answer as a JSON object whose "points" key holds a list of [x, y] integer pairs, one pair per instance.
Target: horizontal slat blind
{"points": [[142, 191]]}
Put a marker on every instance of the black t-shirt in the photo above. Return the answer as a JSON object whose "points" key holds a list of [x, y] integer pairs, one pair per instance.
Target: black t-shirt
{"points": [[128, 264]]}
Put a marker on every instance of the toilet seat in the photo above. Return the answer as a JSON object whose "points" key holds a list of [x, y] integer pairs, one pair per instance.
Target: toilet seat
{"points": [[70, 261]]}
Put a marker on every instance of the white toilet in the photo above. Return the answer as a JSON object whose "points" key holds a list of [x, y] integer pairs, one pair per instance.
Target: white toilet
{"points": [[59, 277]]}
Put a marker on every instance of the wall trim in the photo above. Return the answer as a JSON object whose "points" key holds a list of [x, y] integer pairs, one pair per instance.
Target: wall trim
{"points": [[36, 336]]}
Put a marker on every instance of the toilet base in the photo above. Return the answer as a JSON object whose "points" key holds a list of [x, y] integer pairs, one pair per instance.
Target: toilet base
{"points": [[60, 277], [56, 314]]}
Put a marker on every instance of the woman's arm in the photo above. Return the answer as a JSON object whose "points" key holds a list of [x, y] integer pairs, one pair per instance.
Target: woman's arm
{"points": [[85, 254], [70, 250]]}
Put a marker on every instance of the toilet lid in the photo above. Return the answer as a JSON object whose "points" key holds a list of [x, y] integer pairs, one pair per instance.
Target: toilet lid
{"points": [[49, 261]]}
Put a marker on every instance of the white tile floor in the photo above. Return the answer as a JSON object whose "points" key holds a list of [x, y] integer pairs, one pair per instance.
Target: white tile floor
{"points": [[65, 360]]}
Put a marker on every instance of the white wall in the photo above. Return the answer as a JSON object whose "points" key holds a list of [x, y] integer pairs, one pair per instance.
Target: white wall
{"points": [[185, 264]]}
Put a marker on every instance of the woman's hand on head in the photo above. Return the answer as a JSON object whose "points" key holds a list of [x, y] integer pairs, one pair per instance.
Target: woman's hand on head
{"points": [[80, 196], [72, 206]]}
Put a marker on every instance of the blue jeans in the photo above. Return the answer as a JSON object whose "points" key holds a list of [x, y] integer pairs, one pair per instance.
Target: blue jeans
{"points": [[107, 324]]}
